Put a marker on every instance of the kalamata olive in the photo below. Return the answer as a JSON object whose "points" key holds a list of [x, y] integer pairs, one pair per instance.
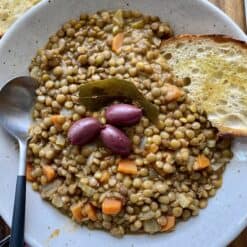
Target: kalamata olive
{"points": [[115, 140], [123, 114], [84, 130]]}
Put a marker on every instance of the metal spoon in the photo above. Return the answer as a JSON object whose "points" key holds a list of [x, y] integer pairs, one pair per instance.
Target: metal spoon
{"points": [[16, 101]]}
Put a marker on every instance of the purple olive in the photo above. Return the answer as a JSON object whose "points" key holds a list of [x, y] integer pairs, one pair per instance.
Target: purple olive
{"points": [[123, 114], [115, 140], [84, 130]]}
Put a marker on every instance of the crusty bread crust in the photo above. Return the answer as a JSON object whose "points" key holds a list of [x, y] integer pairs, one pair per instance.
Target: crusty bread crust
{"points": [[230, 131], [224, 130], [220, 38]]}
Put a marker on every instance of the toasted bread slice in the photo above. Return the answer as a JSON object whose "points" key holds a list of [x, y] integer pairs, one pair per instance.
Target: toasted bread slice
{"points": [[216, 69], [10, 10]]}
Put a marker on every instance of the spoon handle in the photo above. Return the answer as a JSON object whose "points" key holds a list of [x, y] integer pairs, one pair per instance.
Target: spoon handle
{"points": [[18, 220]]}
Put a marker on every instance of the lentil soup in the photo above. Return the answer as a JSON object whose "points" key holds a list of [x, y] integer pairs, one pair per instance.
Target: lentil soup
{"points": [[171, 167]]}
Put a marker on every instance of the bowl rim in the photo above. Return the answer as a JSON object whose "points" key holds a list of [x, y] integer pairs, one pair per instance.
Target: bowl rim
{"points": [[35, 9]]}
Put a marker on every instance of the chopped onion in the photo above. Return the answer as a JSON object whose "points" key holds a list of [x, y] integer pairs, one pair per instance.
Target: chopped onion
{"points": [[217, 166], [143, 143], [147, 215], [57, 201], [65, 112], [184, 200], [151, 226], [87, 190], [60, 140], [48, 190]]}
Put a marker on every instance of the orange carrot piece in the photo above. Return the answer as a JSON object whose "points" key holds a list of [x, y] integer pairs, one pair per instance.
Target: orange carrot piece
{"points": [[171, 221], [29, 170], [76, 211], [117, 42], [49, 172], [127, 167], [90, 211], [57, 120], [201, 163], [105, 177], [111, 206], [173, 93]]}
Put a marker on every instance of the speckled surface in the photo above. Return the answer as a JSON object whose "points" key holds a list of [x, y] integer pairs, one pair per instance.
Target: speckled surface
{"points": [[226, 214]]}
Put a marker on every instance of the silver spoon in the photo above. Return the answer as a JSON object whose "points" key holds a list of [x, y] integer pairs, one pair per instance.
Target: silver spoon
{"points": [[17, 98]]}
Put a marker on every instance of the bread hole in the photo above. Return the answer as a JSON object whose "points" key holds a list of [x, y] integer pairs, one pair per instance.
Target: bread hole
{"points": [[195, 70], [222, 102], [218, 74], [179, 45], [235, 104], [242, 102], [168, 56], [200, 49], [221, 111], [244, 112], [225, 81], [187, 81]]}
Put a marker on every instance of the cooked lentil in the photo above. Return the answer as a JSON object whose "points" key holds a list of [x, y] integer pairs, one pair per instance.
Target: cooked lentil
{"points": [[166, 183]]}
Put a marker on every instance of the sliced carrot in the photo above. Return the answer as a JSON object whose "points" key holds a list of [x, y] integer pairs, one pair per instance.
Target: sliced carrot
{"points": [[90, 211], [57, 120], [49, 172], [29, 170], [201, 163], [127, 167], [169, 225], [111, 206], [117, 41], [76, 211], [173, 93], [105, 177]]}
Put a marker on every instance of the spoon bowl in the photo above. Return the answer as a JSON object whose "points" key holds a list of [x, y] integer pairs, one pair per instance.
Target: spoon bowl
{"points": [[17, 98], [16, 101]]}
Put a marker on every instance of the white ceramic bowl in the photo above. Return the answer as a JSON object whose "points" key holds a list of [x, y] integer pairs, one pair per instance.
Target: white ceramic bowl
{"points": [[226, 214]]}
